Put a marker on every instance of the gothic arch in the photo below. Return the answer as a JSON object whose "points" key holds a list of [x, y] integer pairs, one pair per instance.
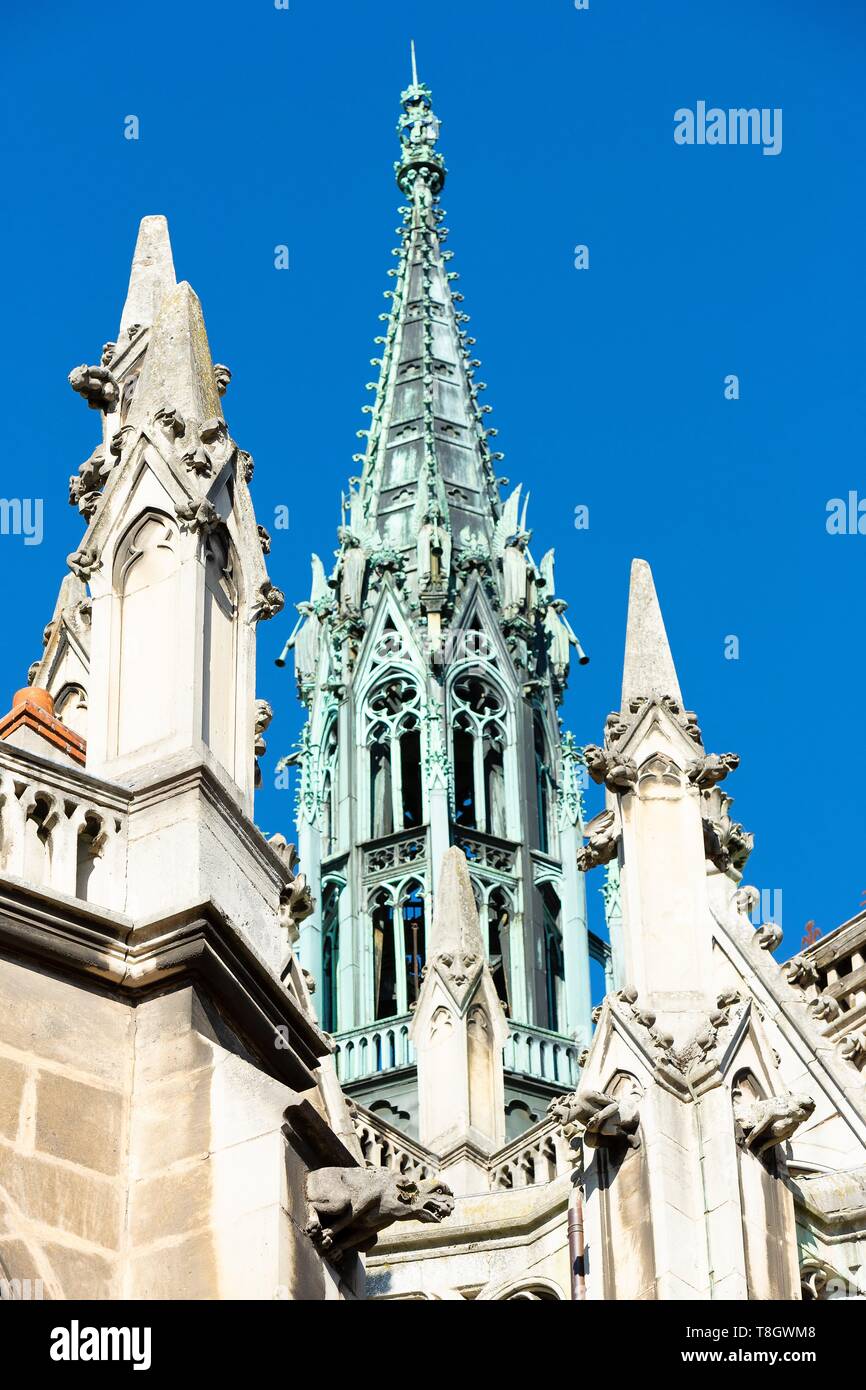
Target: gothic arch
{"points": [[220, 654], [391, 753], [539, 1289], [481, 722], [70, 707], [146, 576]]}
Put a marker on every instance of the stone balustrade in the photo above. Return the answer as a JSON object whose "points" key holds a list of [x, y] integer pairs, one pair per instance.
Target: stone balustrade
{"points": [[543, 1055], [385, 1046], [536, 1156], [379, 1047], [384, 1146], [61, 830]]}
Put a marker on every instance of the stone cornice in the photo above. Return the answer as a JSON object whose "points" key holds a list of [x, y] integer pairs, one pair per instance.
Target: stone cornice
{"points": [[132, 960], [62, 778]]}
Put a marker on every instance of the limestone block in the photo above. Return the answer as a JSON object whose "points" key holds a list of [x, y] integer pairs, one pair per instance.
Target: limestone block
{"points": [[12, 1076], [50, 1018], [171, 1122], [84, 1273], [83, 1204], [80, 1123], [185, 1269]]}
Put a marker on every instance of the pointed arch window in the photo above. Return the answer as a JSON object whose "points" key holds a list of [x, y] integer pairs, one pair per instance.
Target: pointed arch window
{"points": [[146, 700], [545, 787], [399, 947], [414, 946], [384, 956], [499, 916], [330, 957], [394, 749], [554, 960], [327, 800], [479, 742], [220, 650]]}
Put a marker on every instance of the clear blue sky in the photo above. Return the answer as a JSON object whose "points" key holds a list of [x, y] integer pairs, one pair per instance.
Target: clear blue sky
{"points": [[261, 126]]}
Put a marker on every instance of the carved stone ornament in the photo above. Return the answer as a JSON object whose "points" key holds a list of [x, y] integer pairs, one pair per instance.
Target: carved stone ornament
{"points": [[201, 517], [602, 842], [296, 905], [707, 772], [222, 376], [350, 1206], [171, 421], [825, 1008], [608, 1122], [458, 967], [264, 540], [853, 1047], [269, 603], [264, 715], [801, 971], [765, 1123], [726, 843], [616, 773], [769, 936], [97, 386], [84, 562]]}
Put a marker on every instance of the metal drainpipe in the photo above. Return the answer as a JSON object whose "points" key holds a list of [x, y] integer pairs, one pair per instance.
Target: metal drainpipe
{"points": [[576, 1236]]}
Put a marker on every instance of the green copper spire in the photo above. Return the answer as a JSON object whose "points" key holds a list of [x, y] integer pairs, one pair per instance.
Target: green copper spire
{"points": [[418, 129]]}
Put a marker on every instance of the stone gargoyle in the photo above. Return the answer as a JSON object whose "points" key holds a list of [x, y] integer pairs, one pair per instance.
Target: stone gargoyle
{"points": [[618, 774], [96, 385], [607, 1121], [771, 1120], [602, 842], [350, 1206], [708, 771]]}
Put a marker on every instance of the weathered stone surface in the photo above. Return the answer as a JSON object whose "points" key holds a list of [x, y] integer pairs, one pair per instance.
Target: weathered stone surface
{"points": [[63, 1197], [12, 1076], [80, 1123]]}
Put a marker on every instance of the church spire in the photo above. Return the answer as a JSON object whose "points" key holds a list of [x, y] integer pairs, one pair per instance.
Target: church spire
{"points": [[428, 470]]}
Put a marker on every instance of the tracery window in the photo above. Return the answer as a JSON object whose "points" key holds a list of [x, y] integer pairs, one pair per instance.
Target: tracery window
{"points": [[330, 956], [327, 800], [479, 740], [394, 744], [545, 788], [554, 960], [399, 947], [499, 917]]}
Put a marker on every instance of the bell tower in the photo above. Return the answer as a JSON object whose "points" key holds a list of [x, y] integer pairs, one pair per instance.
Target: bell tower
{"points": [[432, 660]]}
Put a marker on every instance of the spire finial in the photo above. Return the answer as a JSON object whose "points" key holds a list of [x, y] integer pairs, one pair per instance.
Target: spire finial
{"points": [[649, 666], [418, 129]]}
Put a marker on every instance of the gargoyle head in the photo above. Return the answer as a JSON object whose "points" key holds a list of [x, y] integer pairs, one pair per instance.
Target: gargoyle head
{"points": [[430, 1200]]}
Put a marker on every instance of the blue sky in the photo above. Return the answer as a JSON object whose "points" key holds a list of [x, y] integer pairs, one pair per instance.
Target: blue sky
{"points": [[261, 126]]}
